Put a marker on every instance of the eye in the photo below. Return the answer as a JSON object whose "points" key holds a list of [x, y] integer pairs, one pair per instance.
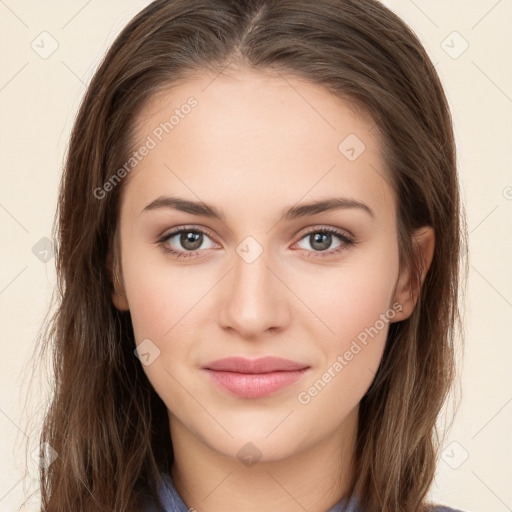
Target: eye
{"points": [[321, 239], [188, 240]]}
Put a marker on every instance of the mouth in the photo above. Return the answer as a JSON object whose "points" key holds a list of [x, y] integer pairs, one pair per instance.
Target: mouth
{"points": [[257, 378]]}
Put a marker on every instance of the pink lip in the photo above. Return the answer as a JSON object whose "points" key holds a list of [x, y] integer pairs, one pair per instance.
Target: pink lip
{"points": [[254, 378]]}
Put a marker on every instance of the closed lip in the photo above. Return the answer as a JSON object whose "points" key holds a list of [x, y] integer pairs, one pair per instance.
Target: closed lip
{"points": [[262, 365]]}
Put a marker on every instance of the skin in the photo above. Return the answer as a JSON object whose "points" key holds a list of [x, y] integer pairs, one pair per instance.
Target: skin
{"points": [[255, 145]]}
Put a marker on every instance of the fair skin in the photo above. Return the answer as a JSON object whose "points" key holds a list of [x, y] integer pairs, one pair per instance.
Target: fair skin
{"points": [[252, 148]]}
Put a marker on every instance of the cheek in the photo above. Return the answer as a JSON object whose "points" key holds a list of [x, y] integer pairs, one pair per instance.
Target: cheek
{"points": [[348, 299], [354, 306], [150, 309], [160, 293], [161, 308], [351, 357]]}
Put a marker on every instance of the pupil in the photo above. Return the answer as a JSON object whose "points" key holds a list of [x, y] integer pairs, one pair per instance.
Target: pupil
{"points": [[324, 239], [195, 239]]}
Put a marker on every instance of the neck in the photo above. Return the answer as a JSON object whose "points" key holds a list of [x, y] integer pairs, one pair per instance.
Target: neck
{"points": [[313, 478]]}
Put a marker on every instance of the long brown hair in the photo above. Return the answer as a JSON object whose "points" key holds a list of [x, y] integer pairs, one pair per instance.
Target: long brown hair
{"points": [[105, 421]]}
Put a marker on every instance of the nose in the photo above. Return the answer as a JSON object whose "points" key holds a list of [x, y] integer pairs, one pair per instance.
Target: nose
{"points": [[254, 299]]}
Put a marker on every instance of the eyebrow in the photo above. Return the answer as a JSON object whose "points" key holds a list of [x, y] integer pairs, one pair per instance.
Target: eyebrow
{"points": [[293, 212]]}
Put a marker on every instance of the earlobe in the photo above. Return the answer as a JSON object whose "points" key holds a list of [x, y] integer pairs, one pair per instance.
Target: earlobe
{"points": [[118, 295], [408, 288]]}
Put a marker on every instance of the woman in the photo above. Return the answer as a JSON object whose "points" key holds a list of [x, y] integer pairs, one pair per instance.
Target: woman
{"points": [[259, 252]]}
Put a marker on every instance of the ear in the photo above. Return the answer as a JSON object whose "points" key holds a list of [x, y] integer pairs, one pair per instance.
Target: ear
{"points": [[118, 295], [408, 288]]}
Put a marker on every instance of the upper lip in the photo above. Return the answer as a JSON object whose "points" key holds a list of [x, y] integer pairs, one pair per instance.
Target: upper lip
{"points": [[262, 365]]}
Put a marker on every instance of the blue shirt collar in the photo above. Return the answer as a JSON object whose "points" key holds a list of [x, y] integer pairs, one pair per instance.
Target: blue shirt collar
{"points": [[172, 501]]}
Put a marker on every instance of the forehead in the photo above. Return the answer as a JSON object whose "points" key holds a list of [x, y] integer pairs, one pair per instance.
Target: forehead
{"points": [[255, 136]]}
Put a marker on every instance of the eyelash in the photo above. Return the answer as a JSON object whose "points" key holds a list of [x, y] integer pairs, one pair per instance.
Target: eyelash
{"points": [[346, 240]]}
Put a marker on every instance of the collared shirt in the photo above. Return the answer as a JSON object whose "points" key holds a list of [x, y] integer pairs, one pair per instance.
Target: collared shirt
{"points": [[172, 501]]}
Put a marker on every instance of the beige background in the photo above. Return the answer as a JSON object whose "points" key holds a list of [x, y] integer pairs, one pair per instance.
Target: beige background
{"points": [[38, 100]]}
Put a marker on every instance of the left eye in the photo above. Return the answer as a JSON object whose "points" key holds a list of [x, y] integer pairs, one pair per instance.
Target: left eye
{"points": [[321, 240]]}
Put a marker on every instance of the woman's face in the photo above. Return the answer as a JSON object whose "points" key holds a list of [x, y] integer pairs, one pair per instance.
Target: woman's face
{"points": [[266, 278]]}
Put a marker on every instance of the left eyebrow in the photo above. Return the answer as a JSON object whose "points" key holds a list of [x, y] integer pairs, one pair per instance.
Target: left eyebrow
{"points": [[293, 212], [333, 203]]}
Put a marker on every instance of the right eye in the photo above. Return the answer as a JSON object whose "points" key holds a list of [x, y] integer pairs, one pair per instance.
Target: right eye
{"points": [[188, 240]]}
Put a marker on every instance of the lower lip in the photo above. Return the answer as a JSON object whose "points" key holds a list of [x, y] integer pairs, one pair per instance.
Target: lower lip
{"points": [[255, 385]]}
